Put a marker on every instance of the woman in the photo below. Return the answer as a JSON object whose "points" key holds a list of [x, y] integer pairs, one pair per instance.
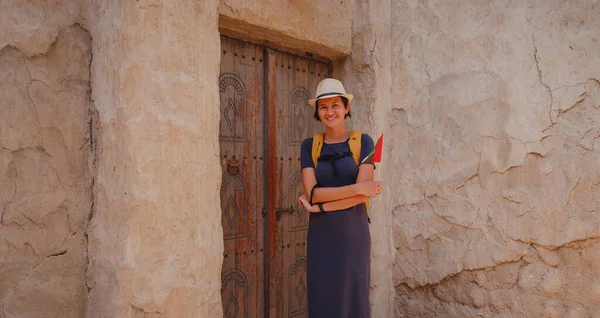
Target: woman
{"points": [[339, 242]]}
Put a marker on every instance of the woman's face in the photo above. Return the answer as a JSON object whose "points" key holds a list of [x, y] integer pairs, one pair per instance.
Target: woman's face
{"points": [[332, 111]]}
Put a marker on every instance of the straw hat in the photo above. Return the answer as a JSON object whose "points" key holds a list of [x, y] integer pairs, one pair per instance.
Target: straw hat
{"points": [[329, 87]]}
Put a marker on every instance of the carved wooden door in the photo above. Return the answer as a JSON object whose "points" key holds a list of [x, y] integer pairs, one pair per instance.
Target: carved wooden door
{"points": [[292, 80], [264, 119], [241, 139]]}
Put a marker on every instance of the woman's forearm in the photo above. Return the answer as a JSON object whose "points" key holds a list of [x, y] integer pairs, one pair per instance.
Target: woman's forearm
{"points": [[333, 205], [344, 203], [364, 186], [335, 193]]}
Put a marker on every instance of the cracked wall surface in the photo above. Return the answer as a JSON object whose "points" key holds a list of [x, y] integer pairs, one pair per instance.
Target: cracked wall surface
{"points": [[45, 180], [543, 283], [492, 122], [303, 27], [155, 239], [495, 133]]}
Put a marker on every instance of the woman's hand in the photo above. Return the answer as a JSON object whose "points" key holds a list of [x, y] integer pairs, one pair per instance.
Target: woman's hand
{"points": [[303, 201], [370, 188]]}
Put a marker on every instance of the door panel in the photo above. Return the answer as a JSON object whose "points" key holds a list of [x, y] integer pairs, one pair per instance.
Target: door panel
{"points": [[291, 79], [264, 119], [241, 140]]}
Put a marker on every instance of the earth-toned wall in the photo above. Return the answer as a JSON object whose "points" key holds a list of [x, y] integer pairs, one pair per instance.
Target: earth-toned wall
{"points": [[320, 28], [495, 148], [46, 159], [109, 132], [155, 239]]}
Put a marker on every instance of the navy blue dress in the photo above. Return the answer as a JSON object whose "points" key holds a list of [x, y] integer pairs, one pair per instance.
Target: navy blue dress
{"points": [[339, 242]]}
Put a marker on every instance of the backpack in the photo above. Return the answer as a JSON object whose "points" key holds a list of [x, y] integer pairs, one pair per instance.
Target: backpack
{"points": [[354, 142]]}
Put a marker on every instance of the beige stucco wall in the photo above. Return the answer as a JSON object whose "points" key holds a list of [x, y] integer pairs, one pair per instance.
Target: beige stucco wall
{"points": [[109, 170], [155, 240], [45, 159], [321, 28], [108, 187], [495, 148]]}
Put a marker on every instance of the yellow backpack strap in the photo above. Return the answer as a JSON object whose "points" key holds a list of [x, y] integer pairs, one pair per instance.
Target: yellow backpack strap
{"points": [[317, 146], [354, 144]]}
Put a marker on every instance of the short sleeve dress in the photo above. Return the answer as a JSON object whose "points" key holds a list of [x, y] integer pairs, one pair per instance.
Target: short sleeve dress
{"points": [[339, 242]]}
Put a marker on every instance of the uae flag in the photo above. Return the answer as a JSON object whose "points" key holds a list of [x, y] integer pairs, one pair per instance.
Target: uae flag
{"points": [[375, 155]]}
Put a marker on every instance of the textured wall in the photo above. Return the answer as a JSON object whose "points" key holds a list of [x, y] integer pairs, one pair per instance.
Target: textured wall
{"points": [[155, 239], [300, 26], [495, 144], [45, 155], [492, 116]]}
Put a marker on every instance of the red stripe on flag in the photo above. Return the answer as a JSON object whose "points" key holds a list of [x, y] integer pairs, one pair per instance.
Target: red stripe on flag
{"points": [[378, 149]]}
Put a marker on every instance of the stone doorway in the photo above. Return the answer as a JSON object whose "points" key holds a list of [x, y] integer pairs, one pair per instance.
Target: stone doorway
{"points": [[264, 118]]}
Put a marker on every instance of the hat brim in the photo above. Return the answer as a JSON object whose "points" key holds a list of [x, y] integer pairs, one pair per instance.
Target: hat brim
{"points": [[313, 101]]}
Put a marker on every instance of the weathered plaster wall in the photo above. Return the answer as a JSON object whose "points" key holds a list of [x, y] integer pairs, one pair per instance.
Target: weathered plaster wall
{"points": [[155, 239], [495, 143], [323, 28], [45, 159], [491, 114]]}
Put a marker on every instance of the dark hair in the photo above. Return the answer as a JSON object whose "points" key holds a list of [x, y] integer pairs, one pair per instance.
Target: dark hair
{"points": [[344, 100]]}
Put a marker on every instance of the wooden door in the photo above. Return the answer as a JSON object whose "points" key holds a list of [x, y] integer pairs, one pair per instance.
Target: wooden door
{"points": [[264, 119], [291, 82], [241, 139]]}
